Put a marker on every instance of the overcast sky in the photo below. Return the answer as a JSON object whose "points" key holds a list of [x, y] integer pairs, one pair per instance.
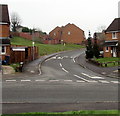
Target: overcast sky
{"points": [[47, 14]]}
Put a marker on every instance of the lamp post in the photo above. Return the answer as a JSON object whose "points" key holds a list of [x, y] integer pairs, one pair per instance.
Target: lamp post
{"points": [[33, 44]]}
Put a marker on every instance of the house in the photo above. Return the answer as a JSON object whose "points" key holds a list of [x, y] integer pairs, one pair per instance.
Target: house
{"points": [[69, 33], [112, 38], [72, 34], [4, 32], [55, 35], [12, 53]]}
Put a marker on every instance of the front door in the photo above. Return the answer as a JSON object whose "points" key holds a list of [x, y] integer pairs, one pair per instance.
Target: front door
{"points": [[114, 52]]}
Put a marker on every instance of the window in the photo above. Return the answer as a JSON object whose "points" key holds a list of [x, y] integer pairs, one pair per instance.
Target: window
{"points": [[107, 49], [54, 34], [68, 32], [2, 49], [114, 35]]}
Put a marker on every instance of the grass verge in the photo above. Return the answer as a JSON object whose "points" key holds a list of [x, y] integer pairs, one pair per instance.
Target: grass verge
{"points": [[45, 49], [109, 61], [72, 113]]}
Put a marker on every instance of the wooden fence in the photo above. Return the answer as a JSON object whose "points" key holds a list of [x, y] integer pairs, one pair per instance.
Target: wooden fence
{"points": [[23, 54]]}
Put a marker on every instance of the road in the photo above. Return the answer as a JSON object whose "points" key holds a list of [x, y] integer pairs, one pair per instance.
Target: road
{"points": [[62, 86]]}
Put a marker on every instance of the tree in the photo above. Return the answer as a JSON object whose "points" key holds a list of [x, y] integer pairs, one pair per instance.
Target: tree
{"points": [[26, 29], [89, 47], [101, 28], [15, 20], [96, 47]]}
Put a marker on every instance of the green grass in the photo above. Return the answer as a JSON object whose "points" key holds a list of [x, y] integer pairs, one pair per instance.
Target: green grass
{"points": [[15, 65], [73, 113], [45, 49], [108, 60]]}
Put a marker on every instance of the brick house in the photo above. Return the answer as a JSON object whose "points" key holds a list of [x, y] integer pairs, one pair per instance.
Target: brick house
{"points": [[4, 32], [12, 53], [55, 35], [68, 34], [112, 37]]}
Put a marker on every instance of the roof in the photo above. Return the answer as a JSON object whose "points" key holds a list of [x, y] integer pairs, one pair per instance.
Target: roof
{"points": [[4, 14], [114, 26], [73, 25], [56, 28]]}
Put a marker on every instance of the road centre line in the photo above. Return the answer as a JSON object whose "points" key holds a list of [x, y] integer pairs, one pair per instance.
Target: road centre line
{"points": [[61, 65], [65, 70]]}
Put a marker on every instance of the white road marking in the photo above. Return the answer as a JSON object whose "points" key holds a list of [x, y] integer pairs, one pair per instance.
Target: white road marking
{"points": [[10, 80], [65, 56], [103, 81], [39, 80], [78, 81], [86, 75], [92, 77], [68, 80], [32, 71], [53, 57], [65, 70], [74, 60], [48, 59], [81, 78], [60, 58], [92, 81], [53, 80], [40, 70], [25, 80], [60, 65], [96, 77], [115, 82]]}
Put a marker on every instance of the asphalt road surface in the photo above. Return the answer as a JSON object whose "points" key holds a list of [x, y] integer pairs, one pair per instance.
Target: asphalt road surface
{"points": [[63, 86]]}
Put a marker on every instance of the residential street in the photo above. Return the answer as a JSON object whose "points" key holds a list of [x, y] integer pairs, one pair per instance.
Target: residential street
{"points": [[60, 83]]}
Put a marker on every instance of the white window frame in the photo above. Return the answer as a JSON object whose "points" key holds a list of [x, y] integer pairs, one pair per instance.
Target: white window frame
{"points": [[106, 49], [54, 34], [1, 50], [69, 33], [114, 35]]}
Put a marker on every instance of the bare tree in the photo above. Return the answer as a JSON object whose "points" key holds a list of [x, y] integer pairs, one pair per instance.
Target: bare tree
{"points": [[15, 21], [101, 28]]}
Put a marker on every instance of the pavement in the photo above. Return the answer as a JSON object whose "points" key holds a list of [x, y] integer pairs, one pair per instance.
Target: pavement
{"points": [[106, 71], [34, 67]]}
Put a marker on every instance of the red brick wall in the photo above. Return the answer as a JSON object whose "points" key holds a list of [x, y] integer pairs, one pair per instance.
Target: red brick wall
{"points": [[109, 36], [107, 54], [26, 35], [4, 31], [76, 34]]}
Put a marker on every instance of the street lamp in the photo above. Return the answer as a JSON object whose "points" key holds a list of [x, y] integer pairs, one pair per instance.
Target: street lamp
{"points": [[33, 44]]}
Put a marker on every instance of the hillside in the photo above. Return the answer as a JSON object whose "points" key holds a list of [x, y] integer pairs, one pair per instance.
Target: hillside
{"points": [[45, 49]]}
